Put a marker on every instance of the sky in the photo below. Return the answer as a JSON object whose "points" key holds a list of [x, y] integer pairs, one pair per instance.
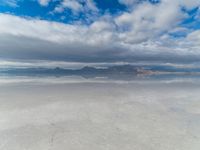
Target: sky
{"points": [[100, 31]]}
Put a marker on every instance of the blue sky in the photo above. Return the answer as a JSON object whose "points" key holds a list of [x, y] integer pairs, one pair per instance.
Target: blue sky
{"points": [[33, 8], [100, 30]]}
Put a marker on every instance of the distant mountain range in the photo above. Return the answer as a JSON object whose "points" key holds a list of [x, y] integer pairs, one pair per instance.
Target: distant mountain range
{"points": [[114, 72]]}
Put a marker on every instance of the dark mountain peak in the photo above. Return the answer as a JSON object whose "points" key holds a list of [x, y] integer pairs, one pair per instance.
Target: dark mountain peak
{"points": [[58, 68], [123, 69]]}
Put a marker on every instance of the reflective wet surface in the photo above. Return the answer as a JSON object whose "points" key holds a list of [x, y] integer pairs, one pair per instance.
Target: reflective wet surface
{"points": [[80, 114]]}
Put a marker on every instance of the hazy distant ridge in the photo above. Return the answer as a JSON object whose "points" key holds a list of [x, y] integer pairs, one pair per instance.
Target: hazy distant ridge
{"points": [[113, 71]]}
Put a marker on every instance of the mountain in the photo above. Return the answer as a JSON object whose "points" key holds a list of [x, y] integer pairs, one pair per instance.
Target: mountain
{"points": [[87, 72], [127, 72]]}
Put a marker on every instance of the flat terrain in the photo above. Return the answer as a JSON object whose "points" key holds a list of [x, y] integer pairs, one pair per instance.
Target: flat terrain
{"points": [[138, 115]]}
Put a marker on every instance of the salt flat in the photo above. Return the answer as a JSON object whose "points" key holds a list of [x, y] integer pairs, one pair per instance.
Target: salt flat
{"points": [[143, 115]]}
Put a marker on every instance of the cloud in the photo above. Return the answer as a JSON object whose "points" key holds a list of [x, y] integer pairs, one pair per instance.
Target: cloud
{"points": [[44, 2], [76, 6], [73, 5], [139, 34], [197, 16], [145, 22], [11, 3]]}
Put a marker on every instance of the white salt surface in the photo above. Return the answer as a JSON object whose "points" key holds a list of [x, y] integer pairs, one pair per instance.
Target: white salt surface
{"points": [[100, 116]]}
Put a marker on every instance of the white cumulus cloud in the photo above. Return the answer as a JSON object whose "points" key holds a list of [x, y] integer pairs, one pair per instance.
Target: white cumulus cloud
{"points": [[140, 33]]}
